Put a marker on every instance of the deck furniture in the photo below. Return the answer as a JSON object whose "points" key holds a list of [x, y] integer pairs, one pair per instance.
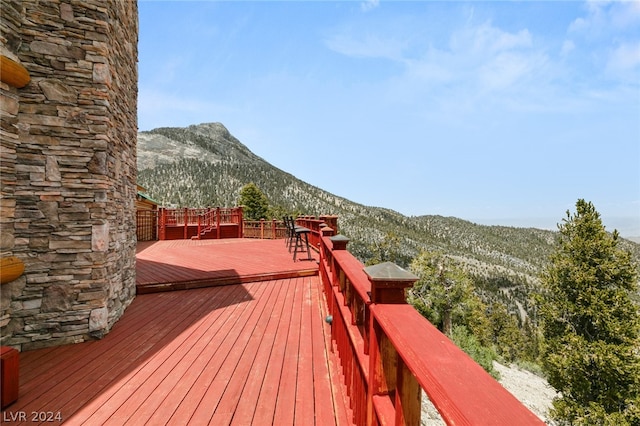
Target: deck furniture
{"points": [[302, 242], [290, 226], [9, 370]]}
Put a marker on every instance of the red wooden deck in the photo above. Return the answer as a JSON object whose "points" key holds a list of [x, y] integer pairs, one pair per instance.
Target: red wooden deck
{"points": [[249, 354], [183, 264]]}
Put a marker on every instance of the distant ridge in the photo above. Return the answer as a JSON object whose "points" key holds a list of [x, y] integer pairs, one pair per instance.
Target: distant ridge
{"points": [[205, 165]]}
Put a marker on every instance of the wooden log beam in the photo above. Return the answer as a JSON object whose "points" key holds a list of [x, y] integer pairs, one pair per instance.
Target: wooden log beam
{"points": [[12, 73], [10, 268]]}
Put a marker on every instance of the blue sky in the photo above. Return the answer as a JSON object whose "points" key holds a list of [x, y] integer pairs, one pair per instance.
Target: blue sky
{"points": [[495, 112]]}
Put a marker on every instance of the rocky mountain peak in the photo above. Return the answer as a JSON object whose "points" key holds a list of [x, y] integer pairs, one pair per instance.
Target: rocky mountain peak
{"points": [[213, 130], [208, 142]]}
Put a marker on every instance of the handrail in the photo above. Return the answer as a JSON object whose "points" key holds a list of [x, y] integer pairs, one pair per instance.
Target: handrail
{"points": [[316, 226], [389, 352], [461, 391], [347, 301], [208, 219]]}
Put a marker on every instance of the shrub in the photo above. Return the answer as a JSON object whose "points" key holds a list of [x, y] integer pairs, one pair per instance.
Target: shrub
{"points": [[471, 345]]}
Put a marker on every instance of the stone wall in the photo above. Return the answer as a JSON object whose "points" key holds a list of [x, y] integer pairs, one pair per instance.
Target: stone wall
{"points": [[68, 169]]}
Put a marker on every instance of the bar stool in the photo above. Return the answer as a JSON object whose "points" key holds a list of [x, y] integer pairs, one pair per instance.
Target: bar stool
{"points": [[291, 231], [288, 230], [300, 234]]}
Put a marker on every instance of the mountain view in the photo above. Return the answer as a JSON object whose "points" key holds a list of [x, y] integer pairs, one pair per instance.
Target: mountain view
{"points": [[204, 165]]}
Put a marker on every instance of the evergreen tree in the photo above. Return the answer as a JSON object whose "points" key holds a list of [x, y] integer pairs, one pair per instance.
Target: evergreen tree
{"points": [[532, 342], [254, 202], [444, 294], [506, 332], [591, 324], [385, 250]]}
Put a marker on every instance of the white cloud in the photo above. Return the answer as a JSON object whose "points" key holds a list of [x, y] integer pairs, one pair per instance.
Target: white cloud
{"points": [[578, 25], [367, 46], [624, 15], [487, 39], [368, 5], [624, 59], [605, 17], [435, 67], [483, 59], [567, 47], [504, 71], [482, 66], [608, 37]]}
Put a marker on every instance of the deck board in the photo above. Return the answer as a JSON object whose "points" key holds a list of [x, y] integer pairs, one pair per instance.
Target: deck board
{"points": [[265, 408], [285, 401], [147, 379], [255, 353], [228, 402], [67, 357], [177, 404], [163, 405], [321, 370], [304, 403], [184, 264], [222, 376], [248, 400], [129, 356]]}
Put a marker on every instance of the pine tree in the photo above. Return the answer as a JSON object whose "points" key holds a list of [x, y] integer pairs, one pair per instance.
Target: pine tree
{"points": [[444, 294], [591, 324], [385, 250], [507, 335], [255, 203]]}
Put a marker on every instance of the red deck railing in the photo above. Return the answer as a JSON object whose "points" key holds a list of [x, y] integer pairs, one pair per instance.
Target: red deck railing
{"points": [[199, 223], [276, 229], [316, 226], [185, 223], [389, 352], [265, 229]]}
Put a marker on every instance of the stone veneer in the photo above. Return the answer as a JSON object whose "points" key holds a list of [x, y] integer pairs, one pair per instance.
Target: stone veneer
{"points": [[68, 168]]}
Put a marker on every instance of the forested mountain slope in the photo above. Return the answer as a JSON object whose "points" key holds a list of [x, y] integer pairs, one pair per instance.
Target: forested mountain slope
{"points": [[204, 165]]}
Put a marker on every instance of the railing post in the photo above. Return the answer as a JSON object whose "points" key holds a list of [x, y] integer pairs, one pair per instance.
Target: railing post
{"points": [[262, 228], [273, 229], [240, 222], [161, 223], [155, 230], [326, 231], [388, 282], [218, 222], [186, 222], [386, 369], [339, 242], [331, 221]]}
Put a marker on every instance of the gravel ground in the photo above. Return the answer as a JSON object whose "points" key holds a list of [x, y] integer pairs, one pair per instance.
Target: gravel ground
{"points": [[533, 391]]}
